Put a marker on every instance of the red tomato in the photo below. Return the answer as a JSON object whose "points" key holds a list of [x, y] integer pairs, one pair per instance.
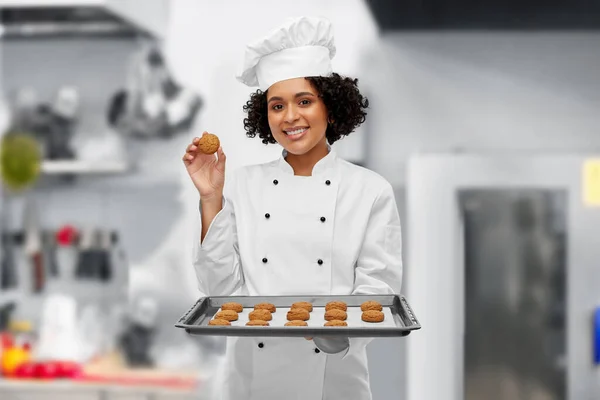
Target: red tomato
{"points": [[45, 370], [25, 370], [68, 369]]}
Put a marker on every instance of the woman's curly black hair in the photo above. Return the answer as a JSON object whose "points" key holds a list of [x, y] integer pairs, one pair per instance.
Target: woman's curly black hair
{"points": [[344, 103]]}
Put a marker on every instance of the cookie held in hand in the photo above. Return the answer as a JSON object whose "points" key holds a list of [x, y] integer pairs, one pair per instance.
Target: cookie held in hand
{"points": [[209, 143]]}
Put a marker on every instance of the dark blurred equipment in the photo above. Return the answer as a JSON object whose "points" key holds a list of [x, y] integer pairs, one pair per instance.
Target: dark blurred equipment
{"points": [[95, 261], [136, 343], [6, 311], [49, 248], [153, 105], [394, 15], [58, 123], [52, 124], [8, 266], [138, 337], [515, 294]]}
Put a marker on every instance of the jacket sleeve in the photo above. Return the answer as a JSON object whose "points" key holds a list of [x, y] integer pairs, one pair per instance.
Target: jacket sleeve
{"points": [[379, 266], [216, 259]]}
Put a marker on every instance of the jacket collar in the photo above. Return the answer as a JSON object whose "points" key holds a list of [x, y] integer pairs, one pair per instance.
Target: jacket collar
{"points": [[322, 166]]}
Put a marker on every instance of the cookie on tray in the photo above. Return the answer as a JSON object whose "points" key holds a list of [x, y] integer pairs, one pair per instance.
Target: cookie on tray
{"points": [[260, 314], [298, 314], [257, 322], [336, 305], [371, 305], [219, 322], [296, 322], [265, 306], [229, 315], [336, 322], [336, 314], [372, 316], [303, 304], [237, 307]]}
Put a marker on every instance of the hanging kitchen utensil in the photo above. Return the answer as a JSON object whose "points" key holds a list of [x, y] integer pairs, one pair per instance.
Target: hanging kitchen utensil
{"points": [[105, 273], [49, 248], [33, 245], [86, 258], [8, 270], [66, 251]]}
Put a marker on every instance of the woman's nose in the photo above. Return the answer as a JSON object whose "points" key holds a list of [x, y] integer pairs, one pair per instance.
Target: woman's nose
{"points": [[291, 114]]}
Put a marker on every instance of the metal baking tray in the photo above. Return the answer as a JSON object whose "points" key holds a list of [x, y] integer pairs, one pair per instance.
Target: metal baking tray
{"points": [[399, 319]]}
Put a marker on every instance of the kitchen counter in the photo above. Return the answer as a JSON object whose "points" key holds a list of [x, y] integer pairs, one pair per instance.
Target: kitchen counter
{"points": [[107, 378]]}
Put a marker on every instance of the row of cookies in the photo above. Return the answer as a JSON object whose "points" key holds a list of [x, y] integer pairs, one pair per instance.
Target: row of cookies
{"points": [[299, 313], [260, 316], [335, 311]]}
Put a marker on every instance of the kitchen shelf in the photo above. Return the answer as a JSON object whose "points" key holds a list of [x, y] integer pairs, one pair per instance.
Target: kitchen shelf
{"points": [[84, 167], [50, 3], [150, 18]]}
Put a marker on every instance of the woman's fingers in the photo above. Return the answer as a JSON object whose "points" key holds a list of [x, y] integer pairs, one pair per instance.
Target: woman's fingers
{"points": [[221, 159], [186, 159], [191, 152]]}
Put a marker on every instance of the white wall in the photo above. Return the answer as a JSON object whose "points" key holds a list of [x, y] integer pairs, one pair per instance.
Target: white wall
{"points": [[481, 91]]}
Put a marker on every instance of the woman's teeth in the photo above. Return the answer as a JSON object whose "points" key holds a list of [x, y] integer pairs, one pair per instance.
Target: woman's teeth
{"points": [[295, 132]]}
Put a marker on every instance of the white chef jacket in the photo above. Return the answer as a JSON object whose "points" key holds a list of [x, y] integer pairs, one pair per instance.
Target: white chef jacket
{"points": [[336, 232]]}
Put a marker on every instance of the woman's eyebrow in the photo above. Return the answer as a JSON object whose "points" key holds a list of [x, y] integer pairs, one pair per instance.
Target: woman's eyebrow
{"points": [[300, 94]]}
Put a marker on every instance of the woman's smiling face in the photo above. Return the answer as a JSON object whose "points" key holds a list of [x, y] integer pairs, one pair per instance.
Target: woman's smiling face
{"points": [[297, 116]]}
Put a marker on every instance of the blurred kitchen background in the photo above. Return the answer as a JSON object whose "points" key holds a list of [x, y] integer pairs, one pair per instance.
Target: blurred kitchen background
{"points": [[484, 117]]}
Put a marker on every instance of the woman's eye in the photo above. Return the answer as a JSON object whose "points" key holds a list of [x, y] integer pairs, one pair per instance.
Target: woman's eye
{"points": [[305, 102], [277, 107]]}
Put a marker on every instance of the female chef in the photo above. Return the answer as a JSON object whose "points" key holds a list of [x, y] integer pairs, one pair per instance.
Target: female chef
{"points": [[308, 223]]}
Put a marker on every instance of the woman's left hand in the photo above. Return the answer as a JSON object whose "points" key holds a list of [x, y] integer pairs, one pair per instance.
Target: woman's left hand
{"points": [[332, 345]]}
